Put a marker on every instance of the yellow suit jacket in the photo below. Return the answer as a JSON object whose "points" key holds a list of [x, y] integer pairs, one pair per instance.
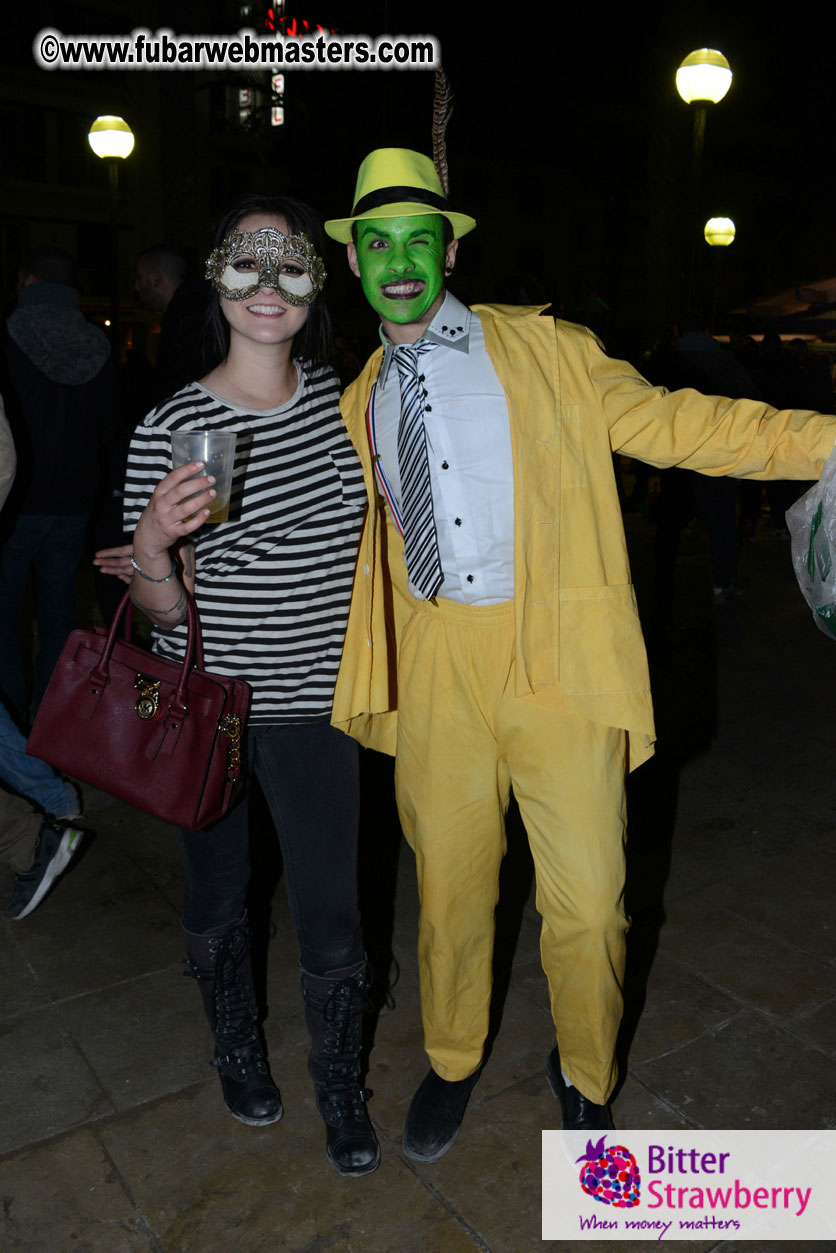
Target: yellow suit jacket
{"points": [[579, 645]]}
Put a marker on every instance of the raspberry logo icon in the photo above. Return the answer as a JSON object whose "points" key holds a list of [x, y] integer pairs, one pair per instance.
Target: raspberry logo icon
{"points": [[609, 1174]]}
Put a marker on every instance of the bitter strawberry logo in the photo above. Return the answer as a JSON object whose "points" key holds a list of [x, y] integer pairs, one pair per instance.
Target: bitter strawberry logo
{"points": [[610, 1175]]}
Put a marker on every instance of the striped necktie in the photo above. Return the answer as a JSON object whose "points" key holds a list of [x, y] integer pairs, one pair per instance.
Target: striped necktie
{"points": [[420, 540]]}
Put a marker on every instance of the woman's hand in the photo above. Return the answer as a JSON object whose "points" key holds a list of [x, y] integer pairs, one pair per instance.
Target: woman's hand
{"points": [[178, 506]]}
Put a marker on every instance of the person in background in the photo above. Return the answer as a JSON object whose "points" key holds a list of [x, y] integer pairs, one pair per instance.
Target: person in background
{"points": [[36, 843], [8, 456], [39, 834], [61, 391], [162, 286], [698, 361]]}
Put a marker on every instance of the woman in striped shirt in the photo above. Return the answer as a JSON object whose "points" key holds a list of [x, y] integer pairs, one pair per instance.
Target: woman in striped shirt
{"points": [[272, 585]]}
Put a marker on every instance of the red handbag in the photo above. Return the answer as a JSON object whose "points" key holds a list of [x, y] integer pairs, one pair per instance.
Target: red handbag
{"points": [[162, 735]]}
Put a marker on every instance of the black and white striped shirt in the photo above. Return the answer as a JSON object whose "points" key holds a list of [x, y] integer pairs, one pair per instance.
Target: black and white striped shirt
{"points": [[273, 583]]}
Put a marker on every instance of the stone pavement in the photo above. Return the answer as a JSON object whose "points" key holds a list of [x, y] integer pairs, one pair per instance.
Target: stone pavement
{"points": [[113, 1136]]}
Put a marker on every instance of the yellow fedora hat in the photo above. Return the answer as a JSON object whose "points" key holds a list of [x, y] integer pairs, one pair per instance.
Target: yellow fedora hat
{"points": [[397, 183]]}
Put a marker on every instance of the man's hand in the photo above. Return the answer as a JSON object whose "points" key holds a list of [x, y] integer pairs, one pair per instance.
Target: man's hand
{"points": [[166, 520], [115, 561]]}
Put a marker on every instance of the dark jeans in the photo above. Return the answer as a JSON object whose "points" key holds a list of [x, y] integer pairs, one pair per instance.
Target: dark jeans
{"points": [[51, 545], [309, 776]]}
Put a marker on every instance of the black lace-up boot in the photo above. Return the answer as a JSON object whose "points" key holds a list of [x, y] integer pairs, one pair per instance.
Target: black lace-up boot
{"points": [[220, 961], [334, 1007]]}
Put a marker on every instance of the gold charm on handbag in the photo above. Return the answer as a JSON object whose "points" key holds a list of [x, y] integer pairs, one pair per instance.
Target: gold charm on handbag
{"points": [[148, 701], [231, 726]]}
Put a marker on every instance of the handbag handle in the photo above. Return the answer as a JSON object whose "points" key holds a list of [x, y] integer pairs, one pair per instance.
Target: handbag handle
{"points": [[100, 674]]}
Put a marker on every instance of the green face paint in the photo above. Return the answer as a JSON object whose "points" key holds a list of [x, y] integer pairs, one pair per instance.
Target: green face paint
{"points": [[401, 263]]}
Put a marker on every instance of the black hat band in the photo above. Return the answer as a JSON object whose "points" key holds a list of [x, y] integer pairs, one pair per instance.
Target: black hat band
{"points": [[393, 195]]}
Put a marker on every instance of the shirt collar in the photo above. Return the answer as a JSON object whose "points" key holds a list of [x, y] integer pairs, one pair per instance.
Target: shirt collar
{"points": [[450, 328]]}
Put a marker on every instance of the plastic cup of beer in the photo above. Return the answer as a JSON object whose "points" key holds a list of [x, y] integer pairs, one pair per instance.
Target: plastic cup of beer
{"points": [[216, 449]]}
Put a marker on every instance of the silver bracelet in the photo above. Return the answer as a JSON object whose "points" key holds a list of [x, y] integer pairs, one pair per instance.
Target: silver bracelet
{"points": [[143, 575]]}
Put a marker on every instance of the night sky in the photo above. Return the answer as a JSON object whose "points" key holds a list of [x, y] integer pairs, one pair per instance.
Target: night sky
{"points": [[568, 143], [559, 105]]}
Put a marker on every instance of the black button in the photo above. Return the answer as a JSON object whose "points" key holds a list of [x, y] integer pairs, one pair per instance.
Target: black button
{"points": [[444, 328], [470, 578], [445, 466], [459, 328], [428, 408], [458, 521]]}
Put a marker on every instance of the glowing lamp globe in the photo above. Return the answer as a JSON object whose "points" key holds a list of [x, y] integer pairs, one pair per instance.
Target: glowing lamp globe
{"points": [[111, 137], [719, 232], [704, 75]]}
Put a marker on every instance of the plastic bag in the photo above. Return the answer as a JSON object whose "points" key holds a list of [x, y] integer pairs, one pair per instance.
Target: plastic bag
{"points": [[812, 526]]}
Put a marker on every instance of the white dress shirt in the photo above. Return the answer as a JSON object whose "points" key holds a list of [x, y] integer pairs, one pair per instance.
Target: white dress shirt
{"points": [[469, 449]]}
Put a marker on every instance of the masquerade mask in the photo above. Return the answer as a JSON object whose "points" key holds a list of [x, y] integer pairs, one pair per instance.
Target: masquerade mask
{"points": [[247, 261]]}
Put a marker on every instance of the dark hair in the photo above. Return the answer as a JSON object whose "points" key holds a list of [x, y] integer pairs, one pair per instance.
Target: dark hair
{"points": [[314, 342], [167, 259], [691, 321], [49, 265]]}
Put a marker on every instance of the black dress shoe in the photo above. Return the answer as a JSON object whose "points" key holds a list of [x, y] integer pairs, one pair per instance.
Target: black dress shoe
{"points": [[435, 1116], [579, 1114]]}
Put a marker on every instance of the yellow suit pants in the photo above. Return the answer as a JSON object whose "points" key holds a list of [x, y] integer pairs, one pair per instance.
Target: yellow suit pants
{"points": [[464, 740]]}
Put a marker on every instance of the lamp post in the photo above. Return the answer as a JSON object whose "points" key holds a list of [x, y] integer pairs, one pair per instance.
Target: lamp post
{"points": [[703, 78], [718, 233], [113, 140]]}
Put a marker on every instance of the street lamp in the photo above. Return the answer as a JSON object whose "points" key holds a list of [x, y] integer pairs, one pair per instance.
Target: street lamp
{"points": [[719, 232], [703, 78], [112, 139]]}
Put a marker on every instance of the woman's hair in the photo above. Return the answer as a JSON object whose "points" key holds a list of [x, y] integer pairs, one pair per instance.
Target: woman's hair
{"points": [[315, 341]]}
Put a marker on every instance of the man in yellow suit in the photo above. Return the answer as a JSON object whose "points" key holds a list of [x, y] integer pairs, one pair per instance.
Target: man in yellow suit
{"points": [[494, 640]]}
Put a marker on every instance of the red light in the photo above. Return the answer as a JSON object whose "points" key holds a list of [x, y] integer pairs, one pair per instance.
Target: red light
{"points": [[292, 27]]}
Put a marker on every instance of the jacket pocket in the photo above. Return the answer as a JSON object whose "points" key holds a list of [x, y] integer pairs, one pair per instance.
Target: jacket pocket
{"points": [[601, 643], [572, 464]]}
